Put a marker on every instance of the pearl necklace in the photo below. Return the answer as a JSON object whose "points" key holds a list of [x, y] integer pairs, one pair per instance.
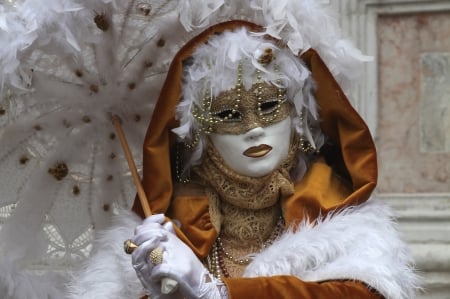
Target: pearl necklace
{"points": [[218, 253]]}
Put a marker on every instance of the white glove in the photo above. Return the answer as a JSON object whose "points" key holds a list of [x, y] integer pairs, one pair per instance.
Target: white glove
{"points": [[148, 236], [178, 263]]}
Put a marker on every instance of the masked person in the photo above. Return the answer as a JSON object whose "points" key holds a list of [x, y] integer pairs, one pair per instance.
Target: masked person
{"points": [[272, 172], [263, 172]]}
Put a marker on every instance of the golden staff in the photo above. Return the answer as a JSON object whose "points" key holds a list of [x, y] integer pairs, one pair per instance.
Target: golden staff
{"points": [[168, 285], [137, 181]]}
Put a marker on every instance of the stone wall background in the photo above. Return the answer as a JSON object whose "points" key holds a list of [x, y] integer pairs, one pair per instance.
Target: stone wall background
{"points": [[414, 102], [405, 99]]}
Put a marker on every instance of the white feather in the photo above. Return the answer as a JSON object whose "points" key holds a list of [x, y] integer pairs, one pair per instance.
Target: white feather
{"points": [[108, 273]]}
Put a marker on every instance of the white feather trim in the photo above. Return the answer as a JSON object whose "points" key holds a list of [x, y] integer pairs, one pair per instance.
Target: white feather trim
{"points": [[108, 273], [302, 24], [358, 243]]}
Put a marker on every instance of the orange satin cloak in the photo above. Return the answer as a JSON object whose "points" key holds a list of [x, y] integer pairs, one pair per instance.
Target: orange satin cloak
{"points": [[345, 175]]}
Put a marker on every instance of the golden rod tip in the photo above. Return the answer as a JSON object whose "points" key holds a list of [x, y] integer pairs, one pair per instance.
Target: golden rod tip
{"points": [[129, 246]]}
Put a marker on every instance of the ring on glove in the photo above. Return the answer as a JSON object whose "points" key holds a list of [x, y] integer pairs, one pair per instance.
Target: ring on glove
{"points": [[156, 256]]}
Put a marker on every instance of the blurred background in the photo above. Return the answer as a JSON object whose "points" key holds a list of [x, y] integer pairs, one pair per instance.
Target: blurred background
{"points": [[405, 99]]}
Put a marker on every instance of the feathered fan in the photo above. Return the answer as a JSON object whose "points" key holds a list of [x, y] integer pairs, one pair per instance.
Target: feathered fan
{"points": [[67, 66]]}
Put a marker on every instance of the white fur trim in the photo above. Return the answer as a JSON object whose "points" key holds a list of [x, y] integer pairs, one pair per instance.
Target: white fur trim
{"points": [[108, 273], [358, 243]]}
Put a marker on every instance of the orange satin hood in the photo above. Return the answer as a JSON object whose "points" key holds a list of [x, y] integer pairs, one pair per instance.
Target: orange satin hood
{"points": [[346, 174]]}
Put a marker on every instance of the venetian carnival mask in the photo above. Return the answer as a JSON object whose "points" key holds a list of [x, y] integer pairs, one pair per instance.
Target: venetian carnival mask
{"points": [[253, 129], [250, 99]]}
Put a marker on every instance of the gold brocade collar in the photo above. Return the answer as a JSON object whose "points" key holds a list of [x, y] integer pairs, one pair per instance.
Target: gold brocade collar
{"points": [[245, 208]]}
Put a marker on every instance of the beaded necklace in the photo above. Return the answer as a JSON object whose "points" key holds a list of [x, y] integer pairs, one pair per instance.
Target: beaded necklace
{"points": [[216, 259]]}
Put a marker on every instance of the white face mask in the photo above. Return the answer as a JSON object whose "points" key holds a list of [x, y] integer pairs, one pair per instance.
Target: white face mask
{"points": [[257, 152]]}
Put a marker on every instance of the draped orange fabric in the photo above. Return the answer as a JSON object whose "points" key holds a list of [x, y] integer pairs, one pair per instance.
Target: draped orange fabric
{"points": [[198, 231], [344, 174], [289, 287], [350, 173]]}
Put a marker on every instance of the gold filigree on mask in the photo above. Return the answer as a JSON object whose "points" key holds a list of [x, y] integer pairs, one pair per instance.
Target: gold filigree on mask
{"points": [[260, 106], [238, 110]]}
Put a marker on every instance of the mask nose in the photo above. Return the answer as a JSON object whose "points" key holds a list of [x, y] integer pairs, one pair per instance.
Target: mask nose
{"points": [[254, 134]]}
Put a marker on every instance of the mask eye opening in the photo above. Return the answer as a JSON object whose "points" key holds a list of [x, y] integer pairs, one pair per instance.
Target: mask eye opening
{"points": [[268, 107], [228, 115]]}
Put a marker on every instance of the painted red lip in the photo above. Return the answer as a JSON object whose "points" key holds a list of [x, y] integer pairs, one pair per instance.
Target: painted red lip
{"points": [[258, 151]]}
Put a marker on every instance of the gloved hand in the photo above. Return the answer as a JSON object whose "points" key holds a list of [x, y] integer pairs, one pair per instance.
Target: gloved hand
{"points": [[147, 237], [178, 263]]}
